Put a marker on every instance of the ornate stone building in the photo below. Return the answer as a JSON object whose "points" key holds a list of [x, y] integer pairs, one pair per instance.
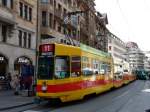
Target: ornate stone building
{"points": [[18, 22], [80, 27]]}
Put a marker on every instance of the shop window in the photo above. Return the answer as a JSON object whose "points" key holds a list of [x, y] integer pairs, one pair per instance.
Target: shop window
{"points": [[75, 66], [62, 67]]}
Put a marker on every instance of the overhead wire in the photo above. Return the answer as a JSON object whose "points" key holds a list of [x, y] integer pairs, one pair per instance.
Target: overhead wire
{"points": [[125, 20]]}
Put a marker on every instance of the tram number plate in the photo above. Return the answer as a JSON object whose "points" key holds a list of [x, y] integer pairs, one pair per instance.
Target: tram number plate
{"points": [[47, 54]]}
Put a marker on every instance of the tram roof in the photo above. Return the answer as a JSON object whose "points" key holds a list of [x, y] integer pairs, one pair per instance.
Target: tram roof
{"points": [[94, 51]]}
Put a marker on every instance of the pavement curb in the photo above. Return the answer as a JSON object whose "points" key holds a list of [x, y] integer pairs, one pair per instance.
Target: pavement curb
{"points": [[12, 107]]}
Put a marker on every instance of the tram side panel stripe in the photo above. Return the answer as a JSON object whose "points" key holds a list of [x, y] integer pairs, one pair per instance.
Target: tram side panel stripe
{"points": [[73, 86]]}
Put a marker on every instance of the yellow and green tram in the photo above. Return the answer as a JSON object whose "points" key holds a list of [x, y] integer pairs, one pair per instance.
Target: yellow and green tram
{"points": [[70, 73]]}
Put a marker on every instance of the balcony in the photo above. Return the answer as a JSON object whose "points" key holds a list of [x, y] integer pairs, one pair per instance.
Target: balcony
{"points": [[47, 7], [7, 16], [46, 30], [58, 14], [83, 26]]}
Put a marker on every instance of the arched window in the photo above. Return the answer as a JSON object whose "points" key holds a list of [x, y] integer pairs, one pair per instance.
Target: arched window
{"points": [[21, 61]]}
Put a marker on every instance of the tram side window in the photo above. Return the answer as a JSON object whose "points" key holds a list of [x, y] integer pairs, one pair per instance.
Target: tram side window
{"points": [[75, 66], [62, 67], [87, 71], [95, 66], [105, 69]]}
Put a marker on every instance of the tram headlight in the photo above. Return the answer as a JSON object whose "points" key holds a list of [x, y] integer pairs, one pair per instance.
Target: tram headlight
{"points": [[44, 87]]}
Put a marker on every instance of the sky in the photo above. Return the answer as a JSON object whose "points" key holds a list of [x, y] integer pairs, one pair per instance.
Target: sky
{"points": [[128, 19]]}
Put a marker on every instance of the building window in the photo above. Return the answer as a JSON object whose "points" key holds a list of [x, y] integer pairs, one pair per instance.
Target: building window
{"points": [[54, 24], [110, 48], [44, 1], [59, 28], [65, 12], [4, 33], [25, 38], [9, 3], [59, 7], [50, 20], [44, 18], [51, 2], [20, 38], [21, 9], [4, 2], [30, 14], [54, 3], [12, 4], [29, 40], [26, 12]]}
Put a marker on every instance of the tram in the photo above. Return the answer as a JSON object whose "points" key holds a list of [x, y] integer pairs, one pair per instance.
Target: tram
{"points": [[70, 73]]}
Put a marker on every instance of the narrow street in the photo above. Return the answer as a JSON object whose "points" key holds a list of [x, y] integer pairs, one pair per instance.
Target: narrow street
{"points": [[134, 97]]}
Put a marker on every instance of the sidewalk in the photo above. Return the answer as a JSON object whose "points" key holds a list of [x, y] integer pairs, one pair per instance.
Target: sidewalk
{"points": [[8, 100]]}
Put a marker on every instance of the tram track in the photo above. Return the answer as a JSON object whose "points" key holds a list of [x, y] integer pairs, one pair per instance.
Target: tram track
{"points": [[117, 98]]}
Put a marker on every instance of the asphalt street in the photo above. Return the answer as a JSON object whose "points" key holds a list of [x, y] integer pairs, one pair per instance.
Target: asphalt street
{"points": [[134, 97]]}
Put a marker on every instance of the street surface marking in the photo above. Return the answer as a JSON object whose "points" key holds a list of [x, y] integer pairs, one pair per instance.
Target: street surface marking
{"points": [[121, 95], [31, 111]]}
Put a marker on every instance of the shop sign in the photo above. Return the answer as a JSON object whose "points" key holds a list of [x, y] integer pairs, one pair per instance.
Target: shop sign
{"points": [[1, 58], [23, 60]]}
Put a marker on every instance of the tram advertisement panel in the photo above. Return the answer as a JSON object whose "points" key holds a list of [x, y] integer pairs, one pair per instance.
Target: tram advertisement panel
{"points": [[46, 50]]}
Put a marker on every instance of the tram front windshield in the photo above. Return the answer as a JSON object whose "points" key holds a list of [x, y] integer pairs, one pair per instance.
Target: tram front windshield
{"points": [[45, 68]]}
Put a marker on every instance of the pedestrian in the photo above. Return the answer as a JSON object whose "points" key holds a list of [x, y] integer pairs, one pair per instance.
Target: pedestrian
{"points": [[21, 82], [8, 79], [28, 83], [15, 84]]}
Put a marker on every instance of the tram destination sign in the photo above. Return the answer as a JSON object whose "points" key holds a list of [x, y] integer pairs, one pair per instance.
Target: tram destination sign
{"points": [[46, 50]]}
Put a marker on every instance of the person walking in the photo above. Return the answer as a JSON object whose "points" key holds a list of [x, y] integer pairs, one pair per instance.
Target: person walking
{"points": [[8, 79], [15, 84]]}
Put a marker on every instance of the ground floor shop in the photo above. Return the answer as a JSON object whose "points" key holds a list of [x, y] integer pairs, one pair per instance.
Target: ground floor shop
{"points": [[12, 58]]}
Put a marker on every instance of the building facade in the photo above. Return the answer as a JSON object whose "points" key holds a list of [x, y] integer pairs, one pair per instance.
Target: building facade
{"points": [[18, 22], [147, 64], [51, 21], [118, 50], [57, 25], [135, 55]]}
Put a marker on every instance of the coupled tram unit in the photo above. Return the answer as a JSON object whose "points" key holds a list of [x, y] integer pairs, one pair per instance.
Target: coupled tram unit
{"points": [[70, 73]]}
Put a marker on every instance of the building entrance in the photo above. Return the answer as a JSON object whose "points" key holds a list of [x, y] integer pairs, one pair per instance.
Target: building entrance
{"points": [[3, 66]]}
